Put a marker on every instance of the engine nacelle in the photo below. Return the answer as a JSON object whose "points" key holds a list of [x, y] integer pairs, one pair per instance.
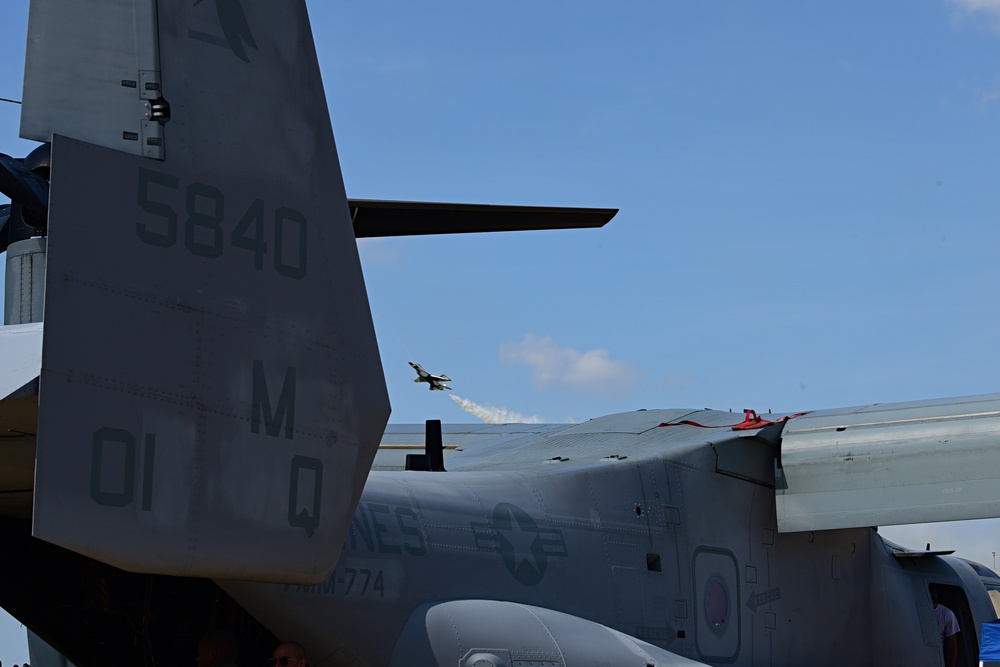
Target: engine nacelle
{"points": [[491, 633]]}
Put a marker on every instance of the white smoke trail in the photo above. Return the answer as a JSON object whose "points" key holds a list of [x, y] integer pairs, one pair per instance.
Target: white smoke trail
{"points": [[493, 415]]}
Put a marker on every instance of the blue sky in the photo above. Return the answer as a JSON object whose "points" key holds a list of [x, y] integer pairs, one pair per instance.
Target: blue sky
{"points": [[809, 202], [806, 200]]}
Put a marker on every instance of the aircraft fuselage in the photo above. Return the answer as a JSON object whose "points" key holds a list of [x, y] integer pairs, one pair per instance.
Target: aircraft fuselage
{"points": [[650, 539]]}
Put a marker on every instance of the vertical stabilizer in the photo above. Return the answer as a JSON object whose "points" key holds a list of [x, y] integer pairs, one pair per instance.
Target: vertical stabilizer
{"points": [[211, 395]]}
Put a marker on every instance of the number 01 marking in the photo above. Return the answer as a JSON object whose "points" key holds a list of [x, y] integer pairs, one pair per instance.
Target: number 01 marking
{"points": [[113, 453]]}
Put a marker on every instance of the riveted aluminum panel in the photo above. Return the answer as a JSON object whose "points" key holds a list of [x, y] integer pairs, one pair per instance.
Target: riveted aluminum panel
{"points": [[211, 395], [891, 464], [90, 69]]}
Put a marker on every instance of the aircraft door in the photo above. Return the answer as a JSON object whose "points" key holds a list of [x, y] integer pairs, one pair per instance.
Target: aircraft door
{"points": [[953, 597], [716, 604]]}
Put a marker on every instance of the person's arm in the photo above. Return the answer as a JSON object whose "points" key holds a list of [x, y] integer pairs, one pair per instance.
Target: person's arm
{"points": [[951, 651]]}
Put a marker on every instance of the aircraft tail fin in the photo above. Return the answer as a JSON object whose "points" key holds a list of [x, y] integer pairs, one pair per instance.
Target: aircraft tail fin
{"points": [[211, 394]]}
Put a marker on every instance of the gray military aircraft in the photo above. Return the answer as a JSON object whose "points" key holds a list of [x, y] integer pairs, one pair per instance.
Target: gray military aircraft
{"points": [[435, 382], [192, 414]]}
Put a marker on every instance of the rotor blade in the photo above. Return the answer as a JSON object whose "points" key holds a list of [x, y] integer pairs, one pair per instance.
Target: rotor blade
{"points": [[374, 218]]}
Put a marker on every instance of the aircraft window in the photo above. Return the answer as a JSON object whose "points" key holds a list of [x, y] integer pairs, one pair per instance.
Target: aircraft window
{"points": [[982, 570], [995, 599], [716, 603]]}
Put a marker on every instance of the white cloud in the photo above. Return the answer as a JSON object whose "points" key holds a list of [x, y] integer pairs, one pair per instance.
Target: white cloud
{"points": [[552, 364], [979, 5], [991, 8], [989, 97]]}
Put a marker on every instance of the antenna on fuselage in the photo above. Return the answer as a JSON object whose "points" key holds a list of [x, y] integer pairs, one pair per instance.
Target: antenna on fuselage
{"points": [[432, 460]]}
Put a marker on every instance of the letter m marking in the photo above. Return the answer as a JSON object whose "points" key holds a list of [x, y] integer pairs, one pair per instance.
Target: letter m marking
{"points": [[284, 412]]}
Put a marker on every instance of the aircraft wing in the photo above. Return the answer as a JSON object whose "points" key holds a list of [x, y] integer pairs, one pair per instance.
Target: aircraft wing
{"points": [[876, 465], [373, 218], [402, 439], [889, 464]]}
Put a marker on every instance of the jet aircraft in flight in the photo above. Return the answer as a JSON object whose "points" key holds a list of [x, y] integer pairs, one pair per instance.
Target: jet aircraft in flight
{"points": [[193, 443], [435, 382]]}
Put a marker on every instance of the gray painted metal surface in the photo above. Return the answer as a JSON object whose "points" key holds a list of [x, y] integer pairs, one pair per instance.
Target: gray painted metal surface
{"points": [[635, 522], [20, 356], [891, 464], [211, 390], [546, 639], [398, 440], [91, 70]]}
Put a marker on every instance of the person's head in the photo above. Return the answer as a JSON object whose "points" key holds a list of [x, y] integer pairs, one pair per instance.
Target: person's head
{"points": [[934, 595], [288, 654], [216, 648]]}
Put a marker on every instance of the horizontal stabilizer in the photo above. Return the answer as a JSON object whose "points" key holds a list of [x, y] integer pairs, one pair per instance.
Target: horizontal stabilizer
{"points": [[404, 218], [900, 552], [890, 464]]}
